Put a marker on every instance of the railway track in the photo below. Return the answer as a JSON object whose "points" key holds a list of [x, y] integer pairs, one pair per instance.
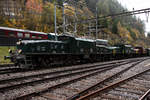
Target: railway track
{"points": [[75, 90], [146, 95], [133, 87], [51, 79], [10, 87], [15, 72], [11, 69], [47, 84], [6, 65], [51, 76]]}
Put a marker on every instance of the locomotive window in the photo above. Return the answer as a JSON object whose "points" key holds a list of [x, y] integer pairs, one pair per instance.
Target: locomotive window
{"points": [[27, 35], [20, 35], [11, 34], [2, 33]]}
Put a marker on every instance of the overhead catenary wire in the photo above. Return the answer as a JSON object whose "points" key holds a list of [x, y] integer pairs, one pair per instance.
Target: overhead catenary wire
{"points": [[127, 13]]}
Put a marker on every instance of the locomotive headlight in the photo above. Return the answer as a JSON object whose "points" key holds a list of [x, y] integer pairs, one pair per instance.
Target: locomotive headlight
{"points": [[20, 51], [10, 51], [18, 43]]}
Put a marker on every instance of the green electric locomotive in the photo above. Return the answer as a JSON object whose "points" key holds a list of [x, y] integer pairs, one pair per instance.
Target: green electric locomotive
{"points": [[125, 51], [68, 49], [106, 51]]}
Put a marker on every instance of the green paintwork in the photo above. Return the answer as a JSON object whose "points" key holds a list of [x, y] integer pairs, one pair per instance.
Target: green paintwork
{"points": [[79, 45], [124, 49], [148, 51], [42, 46], [101, 49], [51, 36]]}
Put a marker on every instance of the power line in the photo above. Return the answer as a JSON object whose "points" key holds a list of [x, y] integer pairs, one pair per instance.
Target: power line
{"points": [[127, 13]]}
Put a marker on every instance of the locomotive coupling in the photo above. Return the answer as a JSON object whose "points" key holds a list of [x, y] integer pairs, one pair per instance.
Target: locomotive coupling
{"points": [[7, 57]]}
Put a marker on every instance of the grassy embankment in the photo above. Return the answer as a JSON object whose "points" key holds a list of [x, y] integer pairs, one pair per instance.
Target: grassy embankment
{"points": [[4, 52]]}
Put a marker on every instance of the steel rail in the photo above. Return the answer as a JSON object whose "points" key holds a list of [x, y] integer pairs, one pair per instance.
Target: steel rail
{"points": [[81, 93], [17, 70], [7, 69], [55, 72], [5, 65], [94, 93], [60, 76], [62, 84], [145, 95], [66, 70]]}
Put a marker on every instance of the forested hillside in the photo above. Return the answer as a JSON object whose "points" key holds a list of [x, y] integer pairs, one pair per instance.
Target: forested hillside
{"points": [[39, 15]]}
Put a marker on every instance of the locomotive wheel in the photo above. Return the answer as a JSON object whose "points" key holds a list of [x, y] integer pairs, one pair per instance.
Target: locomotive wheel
{"points": [[48, 62], [45, 62], [21, 64]]}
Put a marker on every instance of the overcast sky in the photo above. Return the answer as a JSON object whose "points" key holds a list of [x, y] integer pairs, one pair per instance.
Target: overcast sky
{"points": [[138, 4]]}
